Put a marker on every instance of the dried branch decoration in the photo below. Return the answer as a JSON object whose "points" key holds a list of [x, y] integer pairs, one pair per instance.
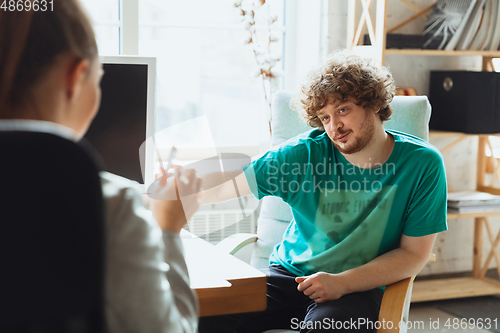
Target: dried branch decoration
{"points": [[266, 61]]}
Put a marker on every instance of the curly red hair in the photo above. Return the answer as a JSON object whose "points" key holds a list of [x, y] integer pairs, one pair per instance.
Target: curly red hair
{"points": [[346, 75]]}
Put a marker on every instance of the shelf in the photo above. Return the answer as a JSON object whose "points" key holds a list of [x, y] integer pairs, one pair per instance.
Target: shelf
{"points": [[378, 37], [441, 288], [445, 134], [431, 290], [468, 215], [494, 54], [449, 134]]}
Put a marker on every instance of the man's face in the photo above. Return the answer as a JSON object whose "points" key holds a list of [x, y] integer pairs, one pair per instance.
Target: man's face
{"points": [[349, 126]]}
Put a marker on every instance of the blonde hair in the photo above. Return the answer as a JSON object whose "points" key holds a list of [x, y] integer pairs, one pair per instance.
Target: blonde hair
{"points": [[31, 40]]}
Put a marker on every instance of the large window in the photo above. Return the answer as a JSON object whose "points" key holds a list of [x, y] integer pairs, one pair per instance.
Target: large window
{"points": [[204, 67], [107, 24]]}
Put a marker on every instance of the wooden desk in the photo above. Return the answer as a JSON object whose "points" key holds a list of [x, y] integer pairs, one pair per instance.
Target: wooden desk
{"points": [[223, 283]]}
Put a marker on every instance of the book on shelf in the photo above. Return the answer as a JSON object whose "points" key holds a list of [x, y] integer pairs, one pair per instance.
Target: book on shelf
{"points": [[472, 199], [469, 7], [406, 91], [484, 26], [463, 25], [472, 25], [491, 31], [495, 41], [446, 23]]}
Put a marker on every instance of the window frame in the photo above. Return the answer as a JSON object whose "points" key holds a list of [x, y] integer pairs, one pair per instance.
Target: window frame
{"points": [[129, 34]]}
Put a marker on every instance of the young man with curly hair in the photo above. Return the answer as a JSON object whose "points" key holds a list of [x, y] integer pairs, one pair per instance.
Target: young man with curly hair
{"points": [[367, 204]]}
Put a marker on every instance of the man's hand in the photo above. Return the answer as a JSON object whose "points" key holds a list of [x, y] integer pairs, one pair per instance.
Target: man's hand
{"points": [[322, 287]]}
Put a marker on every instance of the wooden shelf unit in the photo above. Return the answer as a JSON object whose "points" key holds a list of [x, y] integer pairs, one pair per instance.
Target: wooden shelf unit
{"points": [[478, 284], [436, 289], [431, 290], [492, 54], [376, 28], [470, 215]]}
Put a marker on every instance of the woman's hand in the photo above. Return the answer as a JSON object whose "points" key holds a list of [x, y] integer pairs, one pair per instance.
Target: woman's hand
{"points": [[175, 199]]}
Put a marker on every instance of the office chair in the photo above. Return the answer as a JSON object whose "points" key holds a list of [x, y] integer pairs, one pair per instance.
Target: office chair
{"points": [[52, 237]]}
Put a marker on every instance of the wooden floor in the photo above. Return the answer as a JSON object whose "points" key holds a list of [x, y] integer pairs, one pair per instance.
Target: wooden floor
{"points": [[426, 318], [427, 290]]}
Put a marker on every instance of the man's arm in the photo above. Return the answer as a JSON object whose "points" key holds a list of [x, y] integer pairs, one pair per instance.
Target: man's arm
{"points": [[227, 190], [393, 266]]}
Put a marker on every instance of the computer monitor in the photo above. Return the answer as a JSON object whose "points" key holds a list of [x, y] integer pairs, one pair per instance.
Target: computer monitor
{"points": [[126, 117]]}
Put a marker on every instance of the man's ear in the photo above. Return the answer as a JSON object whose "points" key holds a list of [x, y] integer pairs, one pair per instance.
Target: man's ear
{"points": [[75, 76]]}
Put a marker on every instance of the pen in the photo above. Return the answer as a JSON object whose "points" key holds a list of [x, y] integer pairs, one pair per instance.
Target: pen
{"points": [[173, 150], [170, 158], [169, 161]]}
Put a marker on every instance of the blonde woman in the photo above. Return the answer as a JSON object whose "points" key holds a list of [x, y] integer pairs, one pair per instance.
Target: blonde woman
{"points": [[49, 82]]}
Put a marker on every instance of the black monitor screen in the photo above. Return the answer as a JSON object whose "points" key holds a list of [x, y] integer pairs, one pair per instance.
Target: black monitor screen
{"points": [[119, 128]]}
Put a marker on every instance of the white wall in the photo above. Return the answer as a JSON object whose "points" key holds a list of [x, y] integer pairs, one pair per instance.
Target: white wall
{"points": [[454, 247], [306, 40]]}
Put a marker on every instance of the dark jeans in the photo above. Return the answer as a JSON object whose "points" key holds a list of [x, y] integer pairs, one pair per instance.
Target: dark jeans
{"points": [[288, 308]]}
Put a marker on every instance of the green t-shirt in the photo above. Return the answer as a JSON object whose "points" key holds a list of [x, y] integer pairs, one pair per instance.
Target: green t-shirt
{"points": [[345, 216]]}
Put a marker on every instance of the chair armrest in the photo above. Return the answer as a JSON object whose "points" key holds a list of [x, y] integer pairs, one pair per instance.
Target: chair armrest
{"points": [[395, 304], [396, 301], [234, 243]]}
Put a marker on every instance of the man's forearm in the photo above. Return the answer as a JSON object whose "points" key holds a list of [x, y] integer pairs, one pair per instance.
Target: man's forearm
{"points": [[219, 193], [234, 185], [388, 268], [393, 266]]}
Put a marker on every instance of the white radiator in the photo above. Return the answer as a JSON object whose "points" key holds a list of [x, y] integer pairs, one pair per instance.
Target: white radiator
{"points": [[215, 225]]}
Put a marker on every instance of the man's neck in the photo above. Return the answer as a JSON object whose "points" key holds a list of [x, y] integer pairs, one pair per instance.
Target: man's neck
{"points": [[375, 153]]}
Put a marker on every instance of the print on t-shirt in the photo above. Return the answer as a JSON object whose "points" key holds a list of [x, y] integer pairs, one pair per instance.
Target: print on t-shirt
{"points": [[345, 219]]}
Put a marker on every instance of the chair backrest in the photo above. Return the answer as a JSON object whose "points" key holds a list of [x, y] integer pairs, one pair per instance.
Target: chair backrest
{"points": [[411, 115], [52, 238]]}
